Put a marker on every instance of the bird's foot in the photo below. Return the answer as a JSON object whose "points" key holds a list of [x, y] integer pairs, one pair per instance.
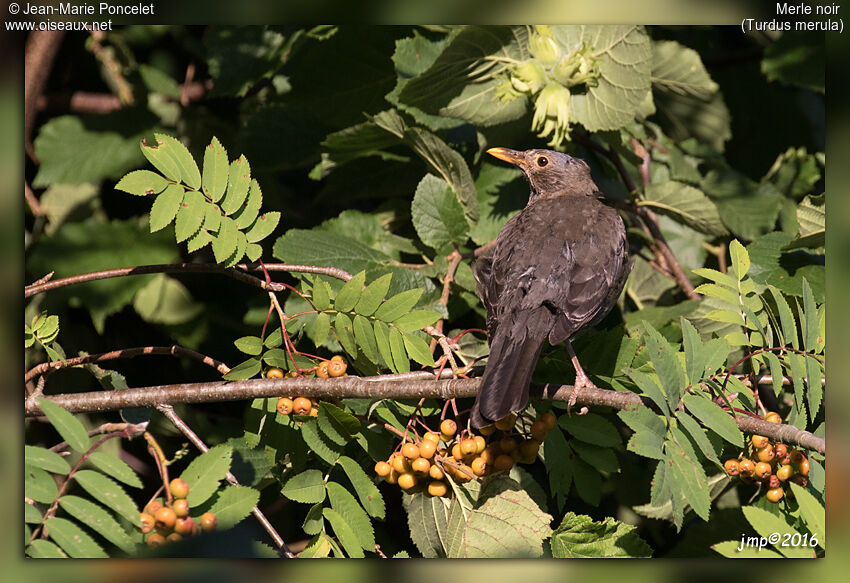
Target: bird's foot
{"points": [[582, 382]]}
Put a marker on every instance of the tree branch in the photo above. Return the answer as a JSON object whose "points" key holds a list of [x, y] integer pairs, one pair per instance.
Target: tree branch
{"points": [[383, 387], [41, 50]]}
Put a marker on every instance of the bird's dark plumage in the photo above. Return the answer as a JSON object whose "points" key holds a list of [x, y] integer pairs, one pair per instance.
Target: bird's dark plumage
{"points": [[557, 267]]}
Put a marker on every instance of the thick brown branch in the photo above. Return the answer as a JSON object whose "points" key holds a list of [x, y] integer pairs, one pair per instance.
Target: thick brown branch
{"points": [[383, 388], [48, 367]]}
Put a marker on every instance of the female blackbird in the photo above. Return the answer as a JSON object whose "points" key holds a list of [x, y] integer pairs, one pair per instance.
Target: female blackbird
{"points": [[557, 267]]}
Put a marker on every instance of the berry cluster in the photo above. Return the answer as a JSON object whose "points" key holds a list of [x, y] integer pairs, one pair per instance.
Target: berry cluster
{"points": [[770, 465], [424, 464], [335, 367], [170, 522]]}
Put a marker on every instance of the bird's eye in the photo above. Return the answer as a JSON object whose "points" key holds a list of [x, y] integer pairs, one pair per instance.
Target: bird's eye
{"points": [[542, 161]]}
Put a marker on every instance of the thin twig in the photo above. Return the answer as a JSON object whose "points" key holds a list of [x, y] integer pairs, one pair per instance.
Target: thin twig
{"points": [[111, 66], [132, 429], [175, 419], [32, 201]]}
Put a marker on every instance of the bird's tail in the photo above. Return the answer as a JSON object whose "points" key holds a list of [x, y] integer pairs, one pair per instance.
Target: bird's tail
{"points": [[514, 351]]}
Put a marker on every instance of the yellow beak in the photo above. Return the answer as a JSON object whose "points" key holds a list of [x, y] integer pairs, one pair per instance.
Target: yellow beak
{"points": [[508, 155]]}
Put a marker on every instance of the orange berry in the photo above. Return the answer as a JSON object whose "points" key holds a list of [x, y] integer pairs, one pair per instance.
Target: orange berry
{"points": [[420, 465], [480, 444], [383, 469], [456, 452], [431, 436], [181, 507], [732, 468], [448, 428], [766, 454], [763, 470], [274, 373], [179, 488], [479, 466], [528, 450], [152, 507], [773, 481], [406, 481], [759, 441], [173, 537], [488, 430], [314, 412], [155, 539], [400, 464], [165, 517], [436, 473], [785, 472], [468, 447], [437, 488], [507, 445], [487, 455], [322, 370], [410, 451], [208, 521], [148, 522], [507, 422], [302, 406], [392, 477], [746, 467], [775, 494], [464, 474], [337, 368], [183, 526], [503, 462], [773, 417], [781, 450], [803, 468], [285, 406], [538, 430], [549, 421], [427, 449], [796, 456]]}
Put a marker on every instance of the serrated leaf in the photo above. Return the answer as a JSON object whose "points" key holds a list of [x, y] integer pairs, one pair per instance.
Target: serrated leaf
{"points": [[685, 204], [601, 458], [251, 345], [730, 549], [649, 429], [344, 533], [694, 355], [320, 328], [336, 423], [365, 336], [253, 251], [321, 295], [45, 459], [400, 359], [319, 546], [350, 293], [398, 305], [382, 339], [717, 277], [244, 370], [225, 242], [44, 549], [236, 256], [142, 183], [786, 318], [160, 156], [373, 295], [679, 69], [591, 428], [250, 209], [238, 183], [205, 472], [369, 495], [165, 207], [190, 215], [39, 485], [666, 363], [189, 173], [68, 426], [740, 259], [712, 416], [345, 333], [263, 226], [73, 540], [350, 510], [651, 389], [437, 215], [115, 467], [319, 442], [233, 504], [813, 383], [314, 520], [99, 520], [766, 524], [418, 349], [698, 436], [416, 320], [427, 519], [812, 512], [580, 537], [109, 493], [216, 170], [198, 241], [307, 487], [688, 477]]}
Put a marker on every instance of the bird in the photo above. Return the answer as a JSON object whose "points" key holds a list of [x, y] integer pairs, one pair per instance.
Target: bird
{"points": [[557, 267]]}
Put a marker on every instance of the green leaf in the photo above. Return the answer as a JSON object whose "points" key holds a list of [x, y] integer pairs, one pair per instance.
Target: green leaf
{"points": [[248, 212], [688, 477], [649, 429], [158, 81], [684, 204], [591, 428], [698, 436], [766, 524], [740, 259], [666, 362], [748, 209], [427, 520], [369, 495], [418, 349], [116, 467], [109, 493], [39, 485], [164, 300], [224, 243], [796, 59], [345, 333], [336, 423], [45, 459], [263, 226], [350, 293], [730, 550], [238, 183], [348, 508], [775, 371], [580, 537], [314, 521], [252, 345], [812, 512], [142, 183], [205, 472], [307, 487], [717, 277], [73, 540], [694, 356], [190, 215], [400, 359], [245, 370], [813, 383], [347, 537], [650, 388], [416, 320], [319, 546], [319, 442], [437, 215], [165, 207], [770, 265], [198, 241], [77, 150], [44, 549], [398, 305], [382, 339], [68, 426], [809, 319], [365, 337], [320, 328], [373, 295], [786, 318], [601, 458], [712, 416], [216, 170], [181, 158], [233, 504], [321, 295], [99, 520], [678, 69]]}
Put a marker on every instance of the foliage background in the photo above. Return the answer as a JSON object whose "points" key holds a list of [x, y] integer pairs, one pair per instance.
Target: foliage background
{"points": [[772, 117]]}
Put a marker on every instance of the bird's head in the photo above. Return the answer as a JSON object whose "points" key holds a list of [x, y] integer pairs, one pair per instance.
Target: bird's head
{"points": [[549, 173]]}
